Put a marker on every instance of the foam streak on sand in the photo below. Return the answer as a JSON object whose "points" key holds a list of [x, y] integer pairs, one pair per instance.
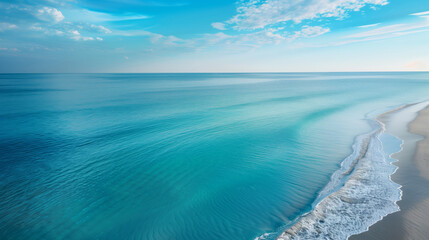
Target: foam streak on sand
{"points": [[360, 193]]}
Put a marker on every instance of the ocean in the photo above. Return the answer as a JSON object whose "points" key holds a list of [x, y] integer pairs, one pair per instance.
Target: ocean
{"points": [[193, 156]]}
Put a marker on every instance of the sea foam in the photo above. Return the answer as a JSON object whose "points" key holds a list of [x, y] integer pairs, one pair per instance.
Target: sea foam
{"points": [[359, 194]]}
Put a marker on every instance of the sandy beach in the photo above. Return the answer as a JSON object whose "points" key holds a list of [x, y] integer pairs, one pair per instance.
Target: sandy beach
{"points": [[412, 222], [421, 127]]}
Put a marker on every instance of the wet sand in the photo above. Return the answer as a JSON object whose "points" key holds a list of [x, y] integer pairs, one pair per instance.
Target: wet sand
{"points": [[412, 222], [421, 126]]}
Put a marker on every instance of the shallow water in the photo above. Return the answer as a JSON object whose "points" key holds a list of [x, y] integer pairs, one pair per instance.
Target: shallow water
{"points": [[178, 156]]}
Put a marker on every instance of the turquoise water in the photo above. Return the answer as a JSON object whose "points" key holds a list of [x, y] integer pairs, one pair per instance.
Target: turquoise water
{"points": [[178, 156]]}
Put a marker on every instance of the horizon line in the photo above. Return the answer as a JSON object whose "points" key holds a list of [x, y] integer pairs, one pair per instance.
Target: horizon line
{"points": [[399, 71]]}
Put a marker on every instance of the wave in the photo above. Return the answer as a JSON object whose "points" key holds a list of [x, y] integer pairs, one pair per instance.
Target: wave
{"points": [[359, 194]]}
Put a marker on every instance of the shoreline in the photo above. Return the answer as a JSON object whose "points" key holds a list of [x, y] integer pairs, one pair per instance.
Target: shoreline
{"points": [[360, 194], [412, 174], [343, 204]]}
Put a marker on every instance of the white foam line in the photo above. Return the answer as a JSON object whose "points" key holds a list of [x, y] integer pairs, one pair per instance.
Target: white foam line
{"points": [[339, 180], [335, 215], [308, 225]]}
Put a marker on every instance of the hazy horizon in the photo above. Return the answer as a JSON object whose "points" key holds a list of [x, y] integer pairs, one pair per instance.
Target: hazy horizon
{"points": [[417, 71]]}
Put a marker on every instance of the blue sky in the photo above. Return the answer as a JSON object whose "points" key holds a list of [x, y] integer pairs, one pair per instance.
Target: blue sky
{"points": [[214, 35]]}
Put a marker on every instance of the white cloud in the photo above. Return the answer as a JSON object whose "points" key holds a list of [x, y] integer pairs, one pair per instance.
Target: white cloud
{"points": [[257, 14], [242, 41], [36, 28], [394, 29], [99, 38], [219, 25], [308, 31], [98, 17], [154, 38], [389, 31], [166, 40], [216, 38], [4, 26], [421, 13], [100, 28], [276, 37], [369, 25], [76, 36], [380, 31], [253, 40], [49, 14], [87, 38]]}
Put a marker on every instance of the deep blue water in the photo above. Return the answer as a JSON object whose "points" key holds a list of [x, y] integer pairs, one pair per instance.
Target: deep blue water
{"points": [[178, 156]]}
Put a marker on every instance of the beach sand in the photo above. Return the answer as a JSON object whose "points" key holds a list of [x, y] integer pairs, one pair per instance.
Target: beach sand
{"points": [[412, 222], [421, 126]]}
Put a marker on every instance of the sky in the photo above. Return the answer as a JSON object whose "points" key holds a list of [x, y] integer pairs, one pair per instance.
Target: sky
{"points": [[109, 36]]}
